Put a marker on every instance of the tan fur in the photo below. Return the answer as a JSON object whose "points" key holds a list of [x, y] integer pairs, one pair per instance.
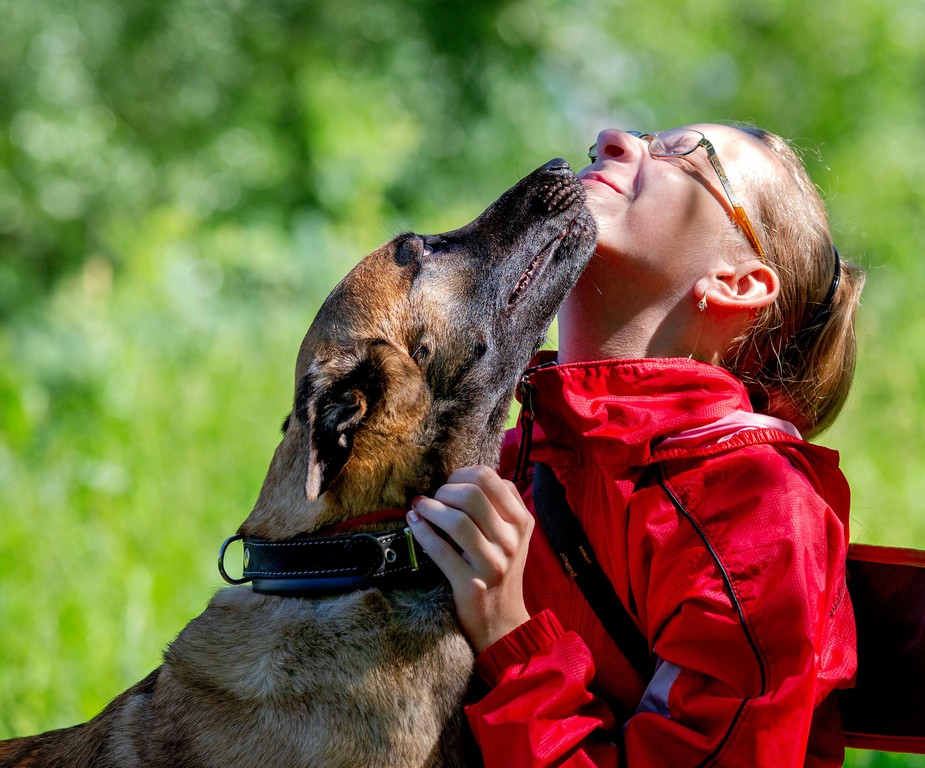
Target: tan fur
{"points": [[405, 374]]}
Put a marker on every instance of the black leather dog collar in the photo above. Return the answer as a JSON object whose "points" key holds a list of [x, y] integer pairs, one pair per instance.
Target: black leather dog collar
{"points": [[325, 565]]}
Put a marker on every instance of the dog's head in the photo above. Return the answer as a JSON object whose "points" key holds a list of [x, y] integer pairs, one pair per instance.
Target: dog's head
{"points": [[408, 370]]}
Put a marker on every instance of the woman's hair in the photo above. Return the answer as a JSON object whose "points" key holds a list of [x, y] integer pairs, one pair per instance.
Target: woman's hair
{"points": [[797, 367]]}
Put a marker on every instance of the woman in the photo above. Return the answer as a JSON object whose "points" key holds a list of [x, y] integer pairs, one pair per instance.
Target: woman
{"points": [[699, 345]]}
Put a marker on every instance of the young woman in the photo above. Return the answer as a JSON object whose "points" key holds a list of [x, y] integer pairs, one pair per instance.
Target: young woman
{"points": [[711, 333]]}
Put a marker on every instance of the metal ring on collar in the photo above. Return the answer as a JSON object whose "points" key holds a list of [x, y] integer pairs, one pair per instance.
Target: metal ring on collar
{"points": [[221, 561]]}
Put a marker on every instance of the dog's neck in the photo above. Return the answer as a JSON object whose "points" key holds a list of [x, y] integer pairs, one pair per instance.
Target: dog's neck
{"points": [[369, 521]]}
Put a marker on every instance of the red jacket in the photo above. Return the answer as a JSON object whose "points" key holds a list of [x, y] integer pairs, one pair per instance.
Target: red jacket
{"points": [[740, 593]]}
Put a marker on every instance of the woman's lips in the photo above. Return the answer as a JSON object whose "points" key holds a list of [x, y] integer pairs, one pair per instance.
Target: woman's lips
{"points": [[594, 176]]}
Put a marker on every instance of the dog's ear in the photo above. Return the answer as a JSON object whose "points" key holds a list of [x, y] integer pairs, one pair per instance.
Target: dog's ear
{"points": [[330, 410], [341, 410]]}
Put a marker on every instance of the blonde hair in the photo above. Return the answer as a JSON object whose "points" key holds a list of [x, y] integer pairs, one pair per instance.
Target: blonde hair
{"points": [[794, 368]]}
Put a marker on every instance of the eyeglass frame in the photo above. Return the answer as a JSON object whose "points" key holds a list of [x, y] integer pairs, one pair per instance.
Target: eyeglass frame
{"points": [[738, 211]]}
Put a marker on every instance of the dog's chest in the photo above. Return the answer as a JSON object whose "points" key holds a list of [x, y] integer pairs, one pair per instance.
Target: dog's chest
{"points": [[362, 679]]}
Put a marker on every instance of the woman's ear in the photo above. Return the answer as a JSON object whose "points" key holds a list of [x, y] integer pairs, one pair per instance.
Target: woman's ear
{"points": [[750, 284]]}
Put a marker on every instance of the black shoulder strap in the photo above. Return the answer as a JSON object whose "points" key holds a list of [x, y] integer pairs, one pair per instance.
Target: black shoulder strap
{"points": [[571, 543]]}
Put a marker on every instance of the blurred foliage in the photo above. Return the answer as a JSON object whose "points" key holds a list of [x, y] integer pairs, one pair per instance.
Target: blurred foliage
{"points": [[182, 181]]}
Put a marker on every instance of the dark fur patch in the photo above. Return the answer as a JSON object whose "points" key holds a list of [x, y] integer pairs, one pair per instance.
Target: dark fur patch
{"points": [[303, 395]]}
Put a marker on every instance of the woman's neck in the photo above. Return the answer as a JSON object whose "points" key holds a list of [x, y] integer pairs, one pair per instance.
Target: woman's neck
{"points": [[593, 331]]}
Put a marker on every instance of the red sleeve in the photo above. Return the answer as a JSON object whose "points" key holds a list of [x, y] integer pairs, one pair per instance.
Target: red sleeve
{"points": [[539, 711]]}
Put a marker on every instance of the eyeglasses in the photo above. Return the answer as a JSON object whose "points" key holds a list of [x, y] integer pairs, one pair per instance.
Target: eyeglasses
{"points": [[682, 141]]}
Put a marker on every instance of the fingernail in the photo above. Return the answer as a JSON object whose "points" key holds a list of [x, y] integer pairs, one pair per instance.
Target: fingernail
{"points": [[416, 500], [413, 517]]}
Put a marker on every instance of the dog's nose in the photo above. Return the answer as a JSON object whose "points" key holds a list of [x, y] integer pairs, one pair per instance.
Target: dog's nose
{"points": [[556, 164]]}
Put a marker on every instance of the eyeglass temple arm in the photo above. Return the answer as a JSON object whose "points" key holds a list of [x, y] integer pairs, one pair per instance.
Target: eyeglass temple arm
{"points": [[737, 206]]}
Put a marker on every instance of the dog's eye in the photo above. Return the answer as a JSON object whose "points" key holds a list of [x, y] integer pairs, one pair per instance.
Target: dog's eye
{"points": [[420, 354], [432, 245]]}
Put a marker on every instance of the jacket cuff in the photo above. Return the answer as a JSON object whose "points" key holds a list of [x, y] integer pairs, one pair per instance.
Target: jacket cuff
{"points": [[516, 647]]}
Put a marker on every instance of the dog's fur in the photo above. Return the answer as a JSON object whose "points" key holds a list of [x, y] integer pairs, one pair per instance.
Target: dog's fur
{"points": [[406, 373]]}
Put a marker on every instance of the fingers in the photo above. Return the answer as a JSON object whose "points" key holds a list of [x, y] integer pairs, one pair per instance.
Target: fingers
{"points": [[448, 559], [484, 515], [491, 503], [466, 483], [477, 529]]}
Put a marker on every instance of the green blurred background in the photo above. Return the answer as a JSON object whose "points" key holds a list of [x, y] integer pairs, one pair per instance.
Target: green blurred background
{"points": [[183, 181]]}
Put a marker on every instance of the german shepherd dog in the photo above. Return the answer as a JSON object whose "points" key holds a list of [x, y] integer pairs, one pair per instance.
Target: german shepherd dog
{"points": [[344, 650]]}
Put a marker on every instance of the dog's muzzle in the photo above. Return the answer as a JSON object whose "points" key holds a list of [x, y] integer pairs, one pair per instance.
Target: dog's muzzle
{"points": [[327, 565]]}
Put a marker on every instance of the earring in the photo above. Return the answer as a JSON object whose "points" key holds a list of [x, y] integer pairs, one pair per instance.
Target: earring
{"points": [[702, 304]]}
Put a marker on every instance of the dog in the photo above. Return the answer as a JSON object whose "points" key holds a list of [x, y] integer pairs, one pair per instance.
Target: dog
{"points": [[344, 650]]}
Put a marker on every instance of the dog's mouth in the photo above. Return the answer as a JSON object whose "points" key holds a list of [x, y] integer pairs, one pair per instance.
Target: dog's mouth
{"points": [[535, 266]]}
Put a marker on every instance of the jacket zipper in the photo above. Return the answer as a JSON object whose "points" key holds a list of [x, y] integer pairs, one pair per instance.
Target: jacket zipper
{"points": [[526, 419]]}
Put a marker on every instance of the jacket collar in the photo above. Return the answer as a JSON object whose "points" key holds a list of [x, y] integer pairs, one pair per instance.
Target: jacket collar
{"points": [[624, 409]]}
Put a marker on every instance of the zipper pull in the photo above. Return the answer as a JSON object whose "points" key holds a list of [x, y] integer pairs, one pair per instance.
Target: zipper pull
{"points": [[527, 390]]}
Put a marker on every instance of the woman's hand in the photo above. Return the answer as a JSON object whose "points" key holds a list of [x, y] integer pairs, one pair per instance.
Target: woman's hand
{"points": [[488, 522]]}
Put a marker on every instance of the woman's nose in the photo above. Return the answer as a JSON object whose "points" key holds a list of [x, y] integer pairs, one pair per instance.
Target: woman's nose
{"points": [[614, 144]]}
